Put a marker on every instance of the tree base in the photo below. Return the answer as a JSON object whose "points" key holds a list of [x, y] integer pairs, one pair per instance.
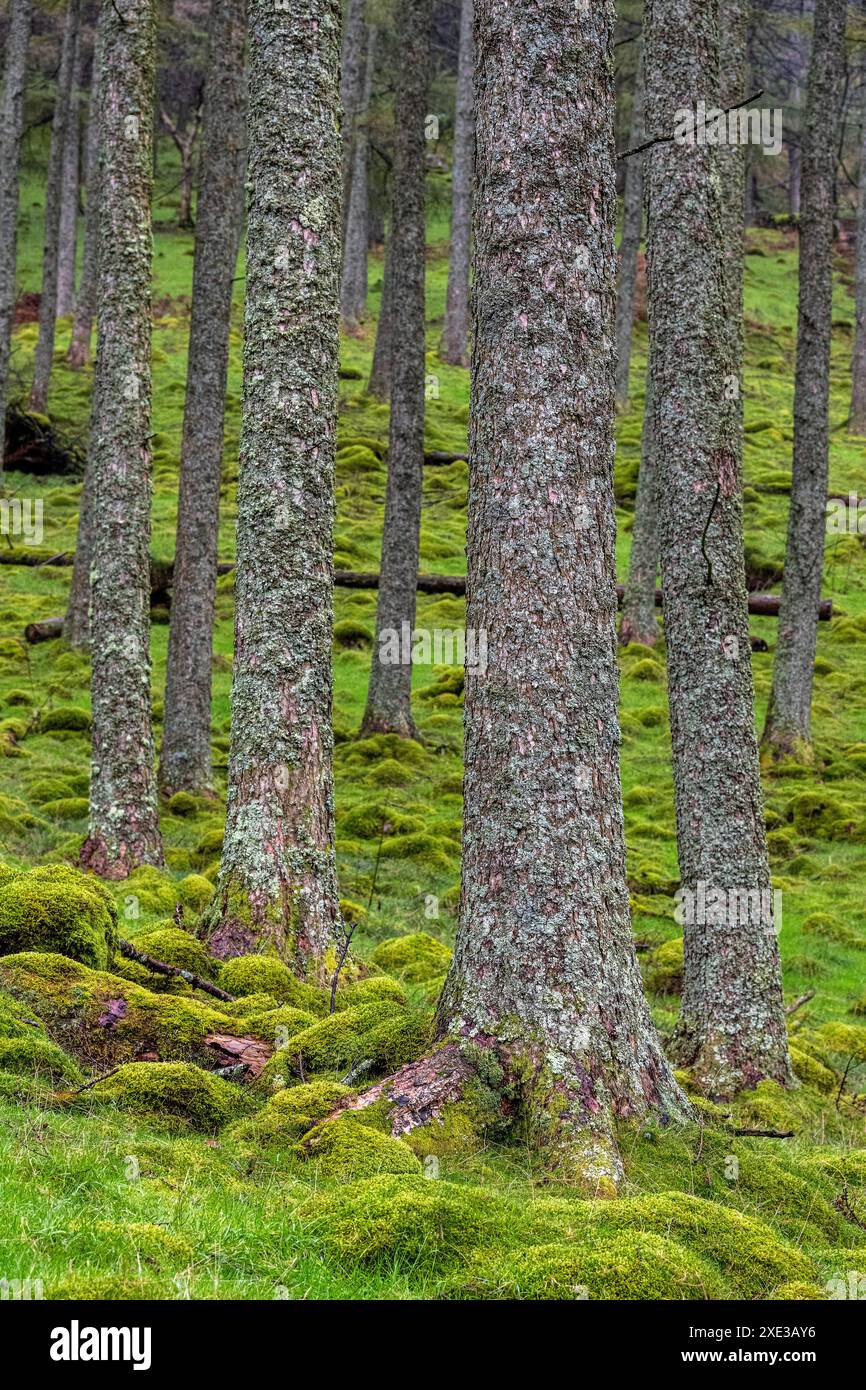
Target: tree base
{"points": [[99, 858]]}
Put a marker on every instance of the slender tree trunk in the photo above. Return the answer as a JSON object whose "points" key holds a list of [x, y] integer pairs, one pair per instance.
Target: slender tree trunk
{"points": [[76, 623], [389, 692], [53, 194], [545, 977], [639, 623], [186, 749], [857, 424], [11, 122], [78, 354], [184, 142], [632, 217], [732, 1026], [353, 287], [788, 726], [277, 887], [124, 825], [794, 150], [454, 346], [68, 231], [352, 74], [379, 384]]}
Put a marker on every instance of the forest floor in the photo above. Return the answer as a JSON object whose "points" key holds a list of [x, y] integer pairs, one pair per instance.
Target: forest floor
{"points": [[124, 1195]]}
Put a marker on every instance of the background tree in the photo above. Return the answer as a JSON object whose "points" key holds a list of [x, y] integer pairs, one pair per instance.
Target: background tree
{"points": [[731, 1030], [353, 62], [629, 246], [185, 763], [353, 285], [11, 122], [389, 693], [788, 725], [67, 234], [379, 384], [124, 825], [857, 423], [454, 345], [78, 354], [277, 883], [53, 196]]}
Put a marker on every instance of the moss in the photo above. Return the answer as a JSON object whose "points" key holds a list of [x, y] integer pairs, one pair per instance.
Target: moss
{"points": [[65, 717], [628, 1266], [138, 1241], [849, 1039], [646, 670], [389, 773], [640, 796], [792, 1201], [823, 815], [176, 947], [152, 887], [280, 1023], [208, 848], [829, 928], [18, 697], [195, 892], [348, 1149], [267, 975], [664, 970], [374, 989], [434, 851], [288, 1115], [352, 913], [67, 808], [366, 819], [413, 958], [177, 1091], [811, 1072], [380, 1033], [182, 804], [94, 1015], [35, 1055], [59, 909], [352, 634], [249, 1005], [49, 789], [798, 1291], [112, 1288]]}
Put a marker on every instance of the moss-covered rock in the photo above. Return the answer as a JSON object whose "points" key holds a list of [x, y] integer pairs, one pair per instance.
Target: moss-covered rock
{"points": [[195, 892], [65, 718], [413, 958], [152, 887], [59, 909], [664, 969], [67, 808], [371, 990], [348, 1149], [175, 946], [38, 1056], [379, 1034], [829, 928], [279, 1024], [175, 1091], [267, 975], [182, 804], [812, 1072], [287, 1116]]}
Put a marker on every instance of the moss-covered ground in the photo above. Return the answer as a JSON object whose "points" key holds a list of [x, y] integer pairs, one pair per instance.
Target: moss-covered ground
{"points": [[110, 1193]]}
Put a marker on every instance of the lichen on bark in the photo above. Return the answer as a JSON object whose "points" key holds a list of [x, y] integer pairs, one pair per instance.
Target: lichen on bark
{"points": [[277, 886], [11, 122]]}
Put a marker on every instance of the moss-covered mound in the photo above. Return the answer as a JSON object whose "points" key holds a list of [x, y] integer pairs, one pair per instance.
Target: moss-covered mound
{"points": [[347, 1148], [38, 1056], [267, 975], [382, 1035], [287, 1116], [413, 958], [174, 1091], [60, 909], [176, 947]]}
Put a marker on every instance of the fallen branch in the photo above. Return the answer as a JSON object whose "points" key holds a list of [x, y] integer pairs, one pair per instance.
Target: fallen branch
{"points": [[233, 1052], [763, 1133], [798, 1003], [160, 967]]}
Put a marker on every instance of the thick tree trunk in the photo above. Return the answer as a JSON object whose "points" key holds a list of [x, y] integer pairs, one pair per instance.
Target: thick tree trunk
{"points": [[389, 693], [44, 356], [185, 763], [454, 345], [124, 825], [629, 246], [732, 1026], [639, 601], [352, 74], [78, 354], [857, 423], [76, 623], [353, 286], [379, 384], [788, 726], [68, 230], [277, 887], [545, 976], [11, 122]]}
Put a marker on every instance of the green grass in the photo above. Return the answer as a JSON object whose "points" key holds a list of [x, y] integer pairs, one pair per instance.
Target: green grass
{"points": [[221, 1224]]}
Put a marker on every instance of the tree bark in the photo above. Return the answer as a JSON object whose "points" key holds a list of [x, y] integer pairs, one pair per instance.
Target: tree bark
{"points": [[857, 423], [353, 287], [11, 122], [352, 76], [632, 218], [44, 355], [454, 345], [68, 230], [788, 725], [379, 384], [545, 976], [124, 825], [731, 1030], [639, 601], [389, 693], [76, 624], [78, 354], [277, 886], [185, 763]]}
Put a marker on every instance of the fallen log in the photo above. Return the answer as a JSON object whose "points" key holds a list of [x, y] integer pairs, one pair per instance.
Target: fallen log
{"points": [[161, 967]]}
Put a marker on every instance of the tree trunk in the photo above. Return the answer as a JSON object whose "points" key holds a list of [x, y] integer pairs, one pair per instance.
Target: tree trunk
{"points": [[352, 76], [788, 726], [389, 693], [545, 976], [632, 217], [76, 624], [857, 423], [11, 122], [353, 287], [639, 601], [277, 887], [186, 749], [78, 354], [379, 384], [68, 231], [732, 1026], [124, 825], [454, 345], [795, 163], [53, 191]]}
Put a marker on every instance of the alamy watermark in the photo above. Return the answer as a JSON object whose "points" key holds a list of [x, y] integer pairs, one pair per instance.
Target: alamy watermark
{"points": [[846, 518], [22, 516], [439, 646], [705, 905], [742, 126]]}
